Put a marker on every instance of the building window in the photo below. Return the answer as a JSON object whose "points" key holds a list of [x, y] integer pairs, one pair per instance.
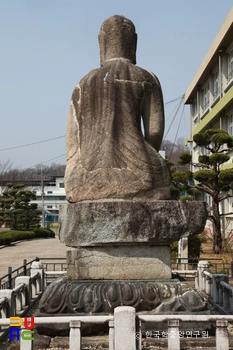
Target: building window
{"points": [[49, 206], [204, 151], [208, 199], [216, 84], [230, 65], [61, 184], [49, 192], [51, 198], [206, 96], [230, 125], [230, 203], [194, 108]]}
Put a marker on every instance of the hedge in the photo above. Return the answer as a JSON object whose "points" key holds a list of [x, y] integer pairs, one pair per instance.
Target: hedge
{"points": [[43, 233], [10, 236]]}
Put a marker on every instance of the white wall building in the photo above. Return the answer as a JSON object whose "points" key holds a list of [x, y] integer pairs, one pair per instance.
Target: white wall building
{"points": [[50, 197], [210, 96]]}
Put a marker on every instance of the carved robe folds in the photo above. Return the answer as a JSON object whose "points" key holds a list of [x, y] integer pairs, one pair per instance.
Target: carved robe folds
{"points": [[107, 154]]}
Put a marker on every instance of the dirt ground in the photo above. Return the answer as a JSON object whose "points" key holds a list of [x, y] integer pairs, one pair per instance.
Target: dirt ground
{"points": [[219, 266], [207, 252]]}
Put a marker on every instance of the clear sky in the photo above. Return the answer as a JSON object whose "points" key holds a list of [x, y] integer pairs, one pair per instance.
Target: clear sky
{"points": [[47, 46]]}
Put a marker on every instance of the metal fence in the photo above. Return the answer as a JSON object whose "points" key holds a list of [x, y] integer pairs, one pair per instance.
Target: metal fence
{"points": [[8, 280], [216, 265], [50, 264], [59, 264]]}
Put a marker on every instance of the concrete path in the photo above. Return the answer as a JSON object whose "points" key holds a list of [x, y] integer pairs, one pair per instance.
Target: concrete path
{"points": [[14, 254]]}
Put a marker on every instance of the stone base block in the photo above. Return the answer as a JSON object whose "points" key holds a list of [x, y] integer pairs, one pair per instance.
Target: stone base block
{"points": [[110, 222], [119, 262]]}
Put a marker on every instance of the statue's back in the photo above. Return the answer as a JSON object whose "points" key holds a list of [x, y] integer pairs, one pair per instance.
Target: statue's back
{"points": [[111, 158]]}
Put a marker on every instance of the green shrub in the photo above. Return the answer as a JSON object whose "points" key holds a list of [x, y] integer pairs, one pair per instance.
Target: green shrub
{"points": [[43, 232], [194, 246], [10, 236], [174, 249], [186, 198], [5, 239], [225, 272]]}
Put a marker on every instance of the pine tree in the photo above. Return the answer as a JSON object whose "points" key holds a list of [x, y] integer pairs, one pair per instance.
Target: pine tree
{"points": [[210, 178], [16, 210]]}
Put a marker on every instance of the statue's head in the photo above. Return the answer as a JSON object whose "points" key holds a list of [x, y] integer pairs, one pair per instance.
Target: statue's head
{"points": [[117, 38]]}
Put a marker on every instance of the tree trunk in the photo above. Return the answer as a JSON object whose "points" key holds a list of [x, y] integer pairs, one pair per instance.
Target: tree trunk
{"points": [[217, 236]]}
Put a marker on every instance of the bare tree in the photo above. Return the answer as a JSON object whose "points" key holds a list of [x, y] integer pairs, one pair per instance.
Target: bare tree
{"points": [[173, 151], [8, 172]]}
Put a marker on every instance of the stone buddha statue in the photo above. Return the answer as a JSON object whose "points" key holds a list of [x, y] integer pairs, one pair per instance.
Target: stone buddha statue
{"points": [[108, 154]]}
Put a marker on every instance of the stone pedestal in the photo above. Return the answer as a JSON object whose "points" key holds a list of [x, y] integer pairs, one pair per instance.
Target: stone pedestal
{"points": [[129, 262], [126, 239], [119, 254]]}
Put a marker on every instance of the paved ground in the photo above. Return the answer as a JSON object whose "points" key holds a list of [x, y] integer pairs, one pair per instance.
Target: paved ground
{"points": [[14, 254]]}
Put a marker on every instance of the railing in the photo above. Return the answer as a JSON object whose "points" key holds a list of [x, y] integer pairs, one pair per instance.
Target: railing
{"points": [[8, 281], [49, 276], [26, 287], [53, 268], [20, 297], [216, 287], [216, 265], [125, 328], [50, 264], [58, 266], [17, 301], [175, 321], [3, 307], [185, 273]]}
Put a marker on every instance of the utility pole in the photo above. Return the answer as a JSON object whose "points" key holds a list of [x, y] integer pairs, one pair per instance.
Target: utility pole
{"points": [[42, 195]]}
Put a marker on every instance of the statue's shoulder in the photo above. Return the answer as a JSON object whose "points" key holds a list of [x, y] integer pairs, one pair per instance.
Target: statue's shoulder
{"points": [[90, 75], [147, 76]]}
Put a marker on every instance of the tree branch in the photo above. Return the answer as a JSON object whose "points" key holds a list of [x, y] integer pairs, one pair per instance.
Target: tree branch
{"points": [[226, 214], [225, 150], [225, 197], [211, 218], [201, 165]]}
